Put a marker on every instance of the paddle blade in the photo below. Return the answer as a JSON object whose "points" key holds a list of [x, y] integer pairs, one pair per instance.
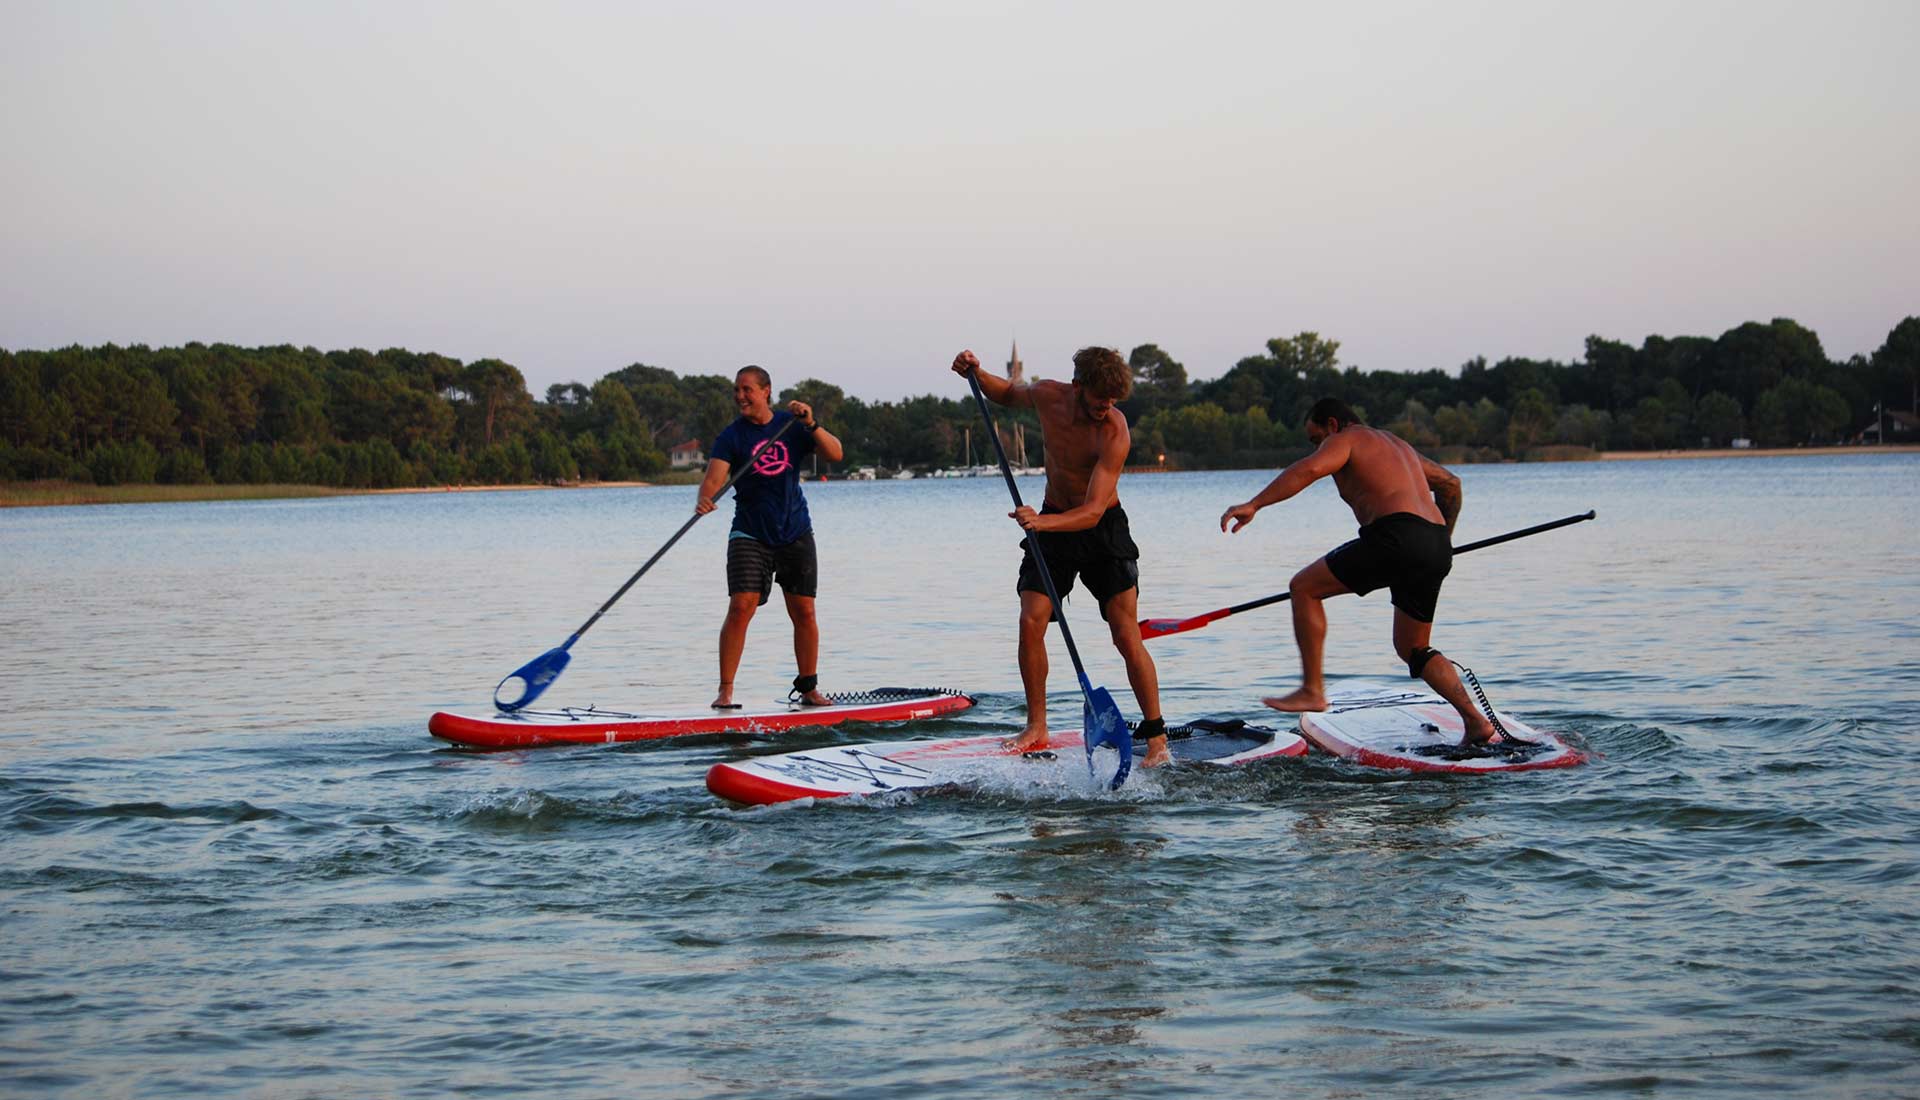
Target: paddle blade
{"points": [[1160, 628], [524, 684], [1155, 628], [1105, 726]]}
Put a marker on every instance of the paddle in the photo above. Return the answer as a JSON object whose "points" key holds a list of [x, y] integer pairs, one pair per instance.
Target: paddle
{"points": [[540, 672], [1160, 628], [1102, 721]]}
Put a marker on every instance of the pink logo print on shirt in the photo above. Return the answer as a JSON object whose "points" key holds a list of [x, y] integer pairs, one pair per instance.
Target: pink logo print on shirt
{"points": [[772, 460]]}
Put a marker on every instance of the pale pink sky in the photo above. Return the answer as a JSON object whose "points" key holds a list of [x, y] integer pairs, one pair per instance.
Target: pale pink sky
{"points": [[856, 191]]}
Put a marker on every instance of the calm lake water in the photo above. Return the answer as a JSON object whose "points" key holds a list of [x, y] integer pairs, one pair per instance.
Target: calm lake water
{"points": [[235, 864]]}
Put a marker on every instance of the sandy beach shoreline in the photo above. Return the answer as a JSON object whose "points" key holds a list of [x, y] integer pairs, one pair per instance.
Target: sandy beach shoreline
{"points": [[43, 494], [511, 488], [1760, 452]]}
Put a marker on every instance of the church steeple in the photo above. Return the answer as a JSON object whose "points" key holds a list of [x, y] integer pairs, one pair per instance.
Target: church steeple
{"points": [[1014, 367]]}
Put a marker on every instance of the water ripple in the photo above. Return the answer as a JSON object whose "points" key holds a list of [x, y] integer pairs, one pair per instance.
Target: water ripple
{"points": [[252, 874]]}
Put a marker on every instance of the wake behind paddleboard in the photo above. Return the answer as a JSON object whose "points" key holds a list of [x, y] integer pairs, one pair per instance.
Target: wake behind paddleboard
{"points": [[1419, 731], [593, 726], [839, 770]]}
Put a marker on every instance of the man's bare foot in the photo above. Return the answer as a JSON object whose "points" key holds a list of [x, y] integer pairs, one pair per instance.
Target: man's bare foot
{"points": [[1157, 754], [1298, 700], [724, 700], [1479, 731], [1030, 740], [815, 699]]}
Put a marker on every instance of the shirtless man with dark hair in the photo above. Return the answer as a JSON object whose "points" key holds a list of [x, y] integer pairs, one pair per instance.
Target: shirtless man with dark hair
{"points": [[1406, 505], [1082, 527]]}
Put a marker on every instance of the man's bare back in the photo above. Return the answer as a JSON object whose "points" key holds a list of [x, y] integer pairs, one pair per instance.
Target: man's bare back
{"points": [[1377, 473], [1381, 475]]}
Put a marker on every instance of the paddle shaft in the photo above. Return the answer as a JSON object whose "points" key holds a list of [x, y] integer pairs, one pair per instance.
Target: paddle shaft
{"points": [[1033, 537], [1211, 616], [684, 528]]}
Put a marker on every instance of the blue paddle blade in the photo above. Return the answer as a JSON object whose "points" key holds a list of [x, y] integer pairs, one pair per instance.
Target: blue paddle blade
{"points": [[1105, 726], [531, 679]]}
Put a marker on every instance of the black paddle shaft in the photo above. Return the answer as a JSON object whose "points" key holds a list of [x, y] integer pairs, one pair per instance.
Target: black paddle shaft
{"points": [[684, 528], [1033, 537], [1457, 551]]}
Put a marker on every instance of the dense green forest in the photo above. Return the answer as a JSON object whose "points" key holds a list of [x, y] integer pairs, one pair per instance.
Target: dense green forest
{"points": [[395, 418], [1768, 383]]}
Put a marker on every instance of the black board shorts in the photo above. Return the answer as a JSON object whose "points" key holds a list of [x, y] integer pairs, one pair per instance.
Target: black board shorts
{"points": [[1401, 552], [1103, 556], [753, 566]]}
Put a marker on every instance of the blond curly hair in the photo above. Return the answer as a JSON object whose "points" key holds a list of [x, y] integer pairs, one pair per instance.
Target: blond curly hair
{"points": [[1103, 372]]}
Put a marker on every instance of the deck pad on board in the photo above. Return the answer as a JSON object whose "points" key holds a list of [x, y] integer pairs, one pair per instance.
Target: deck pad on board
{"points": [[838, 770], [593, 726], [1419, 731]]}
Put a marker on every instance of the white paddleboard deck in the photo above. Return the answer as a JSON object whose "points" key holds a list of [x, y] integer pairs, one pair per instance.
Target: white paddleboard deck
{"points": [[839, 770], [1382, 727]]}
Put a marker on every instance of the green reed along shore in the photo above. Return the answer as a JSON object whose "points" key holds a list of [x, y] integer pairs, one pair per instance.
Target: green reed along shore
{"points": [[21, 494], [27, 494]]}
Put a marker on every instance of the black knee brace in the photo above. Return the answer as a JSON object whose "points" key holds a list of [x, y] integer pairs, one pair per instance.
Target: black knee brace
{"points": [[1418, 659]]}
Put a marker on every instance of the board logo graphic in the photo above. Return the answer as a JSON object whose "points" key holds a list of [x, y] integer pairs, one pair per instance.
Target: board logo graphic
{"points": [[772, 460], [853, 765]]}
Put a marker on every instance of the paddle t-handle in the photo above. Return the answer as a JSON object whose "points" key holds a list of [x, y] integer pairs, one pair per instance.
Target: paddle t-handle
{"points": [[540, 673], [1101, 716]]}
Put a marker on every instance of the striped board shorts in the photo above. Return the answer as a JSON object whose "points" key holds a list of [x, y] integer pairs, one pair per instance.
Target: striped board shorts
{"points": [[753, 566]]}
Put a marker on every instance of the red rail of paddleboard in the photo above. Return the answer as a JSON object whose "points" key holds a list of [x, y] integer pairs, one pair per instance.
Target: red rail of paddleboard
{"points": [[512, 733]]}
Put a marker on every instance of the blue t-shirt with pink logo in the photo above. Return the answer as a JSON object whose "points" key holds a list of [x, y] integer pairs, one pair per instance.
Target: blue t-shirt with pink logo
{"points": [[767, 503]]}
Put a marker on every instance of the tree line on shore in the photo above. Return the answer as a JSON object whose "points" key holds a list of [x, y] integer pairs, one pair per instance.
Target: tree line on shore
{"points": [[396, 418]]}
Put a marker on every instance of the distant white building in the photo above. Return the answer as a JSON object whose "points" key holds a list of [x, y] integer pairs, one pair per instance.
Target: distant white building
{"points": [[1892, 426], [686, 454]]}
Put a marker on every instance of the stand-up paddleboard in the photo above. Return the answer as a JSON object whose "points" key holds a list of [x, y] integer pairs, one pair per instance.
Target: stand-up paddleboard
{"points": [[593, 726], [1419, 731], [916, 765]]}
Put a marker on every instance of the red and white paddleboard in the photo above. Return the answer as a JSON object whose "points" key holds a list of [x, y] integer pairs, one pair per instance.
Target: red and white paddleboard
{"points": [[1419, 731], [592, 726], [839, 770]]}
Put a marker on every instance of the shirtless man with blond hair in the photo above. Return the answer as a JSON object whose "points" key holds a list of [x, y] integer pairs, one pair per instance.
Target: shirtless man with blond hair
{"points": [[1082, 528], [1406, 505]]}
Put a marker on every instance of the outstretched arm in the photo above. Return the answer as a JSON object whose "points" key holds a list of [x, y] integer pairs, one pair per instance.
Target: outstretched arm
{"points": [[1326, 459], [1446, 490], [1000, 391]]}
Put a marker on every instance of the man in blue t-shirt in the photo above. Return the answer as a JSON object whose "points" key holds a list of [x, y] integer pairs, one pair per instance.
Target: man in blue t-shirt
{"points": [[772, 535]]}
